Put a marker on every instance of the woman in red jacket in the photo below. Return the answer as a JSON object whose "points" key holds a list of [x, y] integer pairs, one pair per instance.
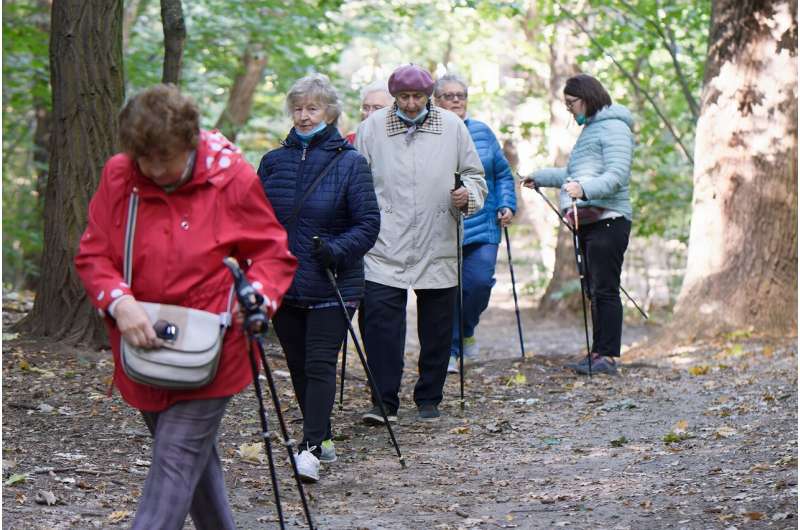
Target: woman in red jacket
{"points": [[199, 201]]}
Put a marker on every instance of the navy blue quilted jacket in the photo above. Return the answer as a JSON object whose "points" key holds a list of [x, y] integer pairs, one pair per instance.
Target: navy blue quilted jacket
{"points": [[342, 211], [482, 227]]}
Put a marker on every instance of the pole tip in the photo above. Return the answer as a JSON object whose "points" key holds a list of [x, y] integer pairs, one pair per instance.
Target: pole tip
{"points": [[402, 462]]}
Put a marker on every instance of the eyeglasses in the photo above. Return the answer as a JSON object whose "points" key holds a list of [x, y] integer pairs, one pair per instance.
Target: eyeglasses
{"points": [[371, 108], [570, 102], [453, 96]]}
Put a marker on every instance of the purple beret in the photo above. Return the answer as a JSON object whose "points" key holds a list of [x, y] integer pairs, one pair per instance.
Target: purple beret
{"points": [[411, 78]]}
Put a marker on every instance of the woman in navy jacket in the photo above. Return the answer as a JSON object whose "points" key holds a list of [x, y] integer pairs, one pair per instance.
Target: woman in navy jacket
{"points": [[342, 210]]}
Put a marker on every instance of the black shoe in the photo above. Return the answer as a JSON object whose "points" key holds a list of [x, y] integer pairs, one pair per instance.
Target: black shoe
{"points": [[428, 412], [374, 416]]}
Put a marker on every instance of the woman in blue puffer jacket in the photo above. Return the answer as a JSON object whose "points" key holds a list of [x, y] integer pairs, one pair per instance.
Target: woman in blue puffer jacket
{"points": [[481, 230], [342, 210], [597, 177]]}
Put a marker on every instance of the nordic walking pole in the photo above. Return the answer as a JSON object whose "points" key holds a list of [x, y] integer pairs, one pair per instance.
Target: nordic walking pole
{"points": [[514, 290], [584, 283], [255, 325], [458, 183], [317, 242], [344, 363], [569, 227]]}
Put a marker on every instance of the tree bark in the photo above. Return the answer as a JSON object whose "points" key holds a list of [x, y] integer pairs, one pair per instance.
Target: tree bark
{"points": [[563, 292], [240, 100], [742, 260], [87, 86], [174, 38]]}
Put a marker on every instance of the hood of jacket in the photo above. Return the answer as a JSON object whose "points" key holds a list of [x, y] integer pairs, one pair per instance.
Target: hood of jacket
{"points": [[614, 112]]}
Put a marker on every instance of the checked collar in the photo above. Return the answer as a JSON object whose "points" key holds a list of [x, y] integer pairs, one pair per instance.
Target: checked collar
{"points": [[432, 124]]}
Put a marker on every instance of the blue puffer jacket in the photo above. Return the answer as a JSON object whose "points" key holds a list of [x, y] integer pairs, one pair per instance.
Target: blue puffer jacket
{"points": [[342, 211], [600, 162], [482, 227]]}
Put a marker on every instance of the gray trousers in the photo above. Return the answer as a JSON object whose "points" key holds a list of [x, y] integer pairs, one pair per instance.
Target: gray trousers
{"points": [[185, 472]]}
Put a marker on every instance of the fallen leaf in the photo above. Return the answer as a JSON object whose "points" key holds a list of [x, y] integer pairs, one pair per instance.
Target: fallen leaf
{"points": [[724, 432], [45, 497], [681, 427], [16, 478], [253, 453], [459, 430], [754, 516], [619, 442], [699, 370], [119, 515]]}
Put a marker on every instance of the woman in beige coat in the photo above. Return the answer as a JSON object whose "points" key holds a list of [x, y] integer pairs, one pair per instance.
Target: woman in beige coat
{"points": [[414, 149]]}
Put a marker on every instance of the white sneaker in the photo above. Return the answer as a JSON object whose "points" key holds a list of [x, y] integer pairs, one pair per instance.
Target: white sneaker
{"points": [[452, 366], [307, 465]]}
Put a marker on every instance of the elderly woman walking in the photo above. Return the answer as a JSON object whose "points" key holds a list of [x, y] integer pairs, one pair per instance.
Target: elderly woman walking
{"points": [[597, 178], [414, 149], [198, 202], [319, 186], [481, 230]]}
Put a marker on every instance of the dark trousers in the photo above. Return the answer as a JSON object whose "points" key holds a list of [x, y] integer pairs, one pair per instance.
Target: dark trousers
{"points": [[311, 338], [185, 474], [384, 332], [604, 244]]}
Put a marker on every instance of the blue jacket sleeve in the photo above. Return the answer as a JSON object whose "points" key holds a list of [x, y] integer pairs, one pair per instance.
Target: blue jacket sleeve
{"points": [[363, 212], [504, 185]]}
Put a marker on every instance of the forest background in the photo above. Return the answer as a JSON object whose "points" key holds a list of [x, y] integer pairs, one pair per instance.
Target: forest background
{"points": [[238, 58]]}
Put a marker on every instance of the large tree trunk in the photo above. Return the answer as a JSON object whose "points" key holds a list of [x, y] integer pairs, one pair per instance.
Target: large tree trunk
{"points": [[240, 101], [563, 291], [87, 84], [742, 260], [174, 38]]}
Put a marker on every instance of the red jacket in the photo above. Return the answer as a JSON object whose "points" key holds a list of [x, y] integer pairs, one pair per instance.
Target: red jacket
{"points": [[181, 239]]}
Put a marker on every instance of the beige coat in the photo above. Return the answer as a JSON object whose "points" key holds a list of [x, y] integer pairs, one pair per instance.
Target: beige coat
{"points": [[416, 246]]}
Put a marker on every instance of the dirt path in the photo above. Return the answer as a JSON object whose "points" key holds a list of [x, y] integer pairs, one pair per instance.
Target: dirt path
{"points": [[705, 437]]}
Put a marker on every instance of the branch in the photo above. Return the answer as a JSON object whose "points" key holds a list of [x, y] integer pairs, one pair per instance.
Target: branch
{"points": [[635, 84], [670, 45]]}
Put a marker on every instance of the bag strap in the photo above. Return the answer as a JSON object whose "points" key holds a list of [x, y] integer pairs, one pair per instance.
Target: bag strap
{"points": [[314, 185], [225, 319]]}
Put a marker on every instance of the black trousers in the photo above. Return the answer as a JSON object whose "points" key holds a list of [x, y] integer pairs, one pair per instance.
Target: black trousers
{"points": [[383, 327], [604, 244], [311, 339]]}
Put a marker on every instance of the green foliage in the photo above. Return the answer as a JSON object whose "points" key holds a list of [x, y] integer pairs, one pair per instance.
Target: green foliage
{"points": [[25, 89]]}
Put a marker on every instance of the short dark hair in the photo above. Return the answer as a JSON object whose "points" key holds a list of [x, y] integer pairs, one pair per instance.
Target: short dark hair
{"points": [[590, 90], [159, 120]]}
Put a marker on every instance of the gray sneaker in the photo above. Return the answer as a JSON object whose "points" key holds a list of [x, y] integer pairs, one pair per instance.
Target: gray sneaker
{"points": [[600, 365], [452, 366], [582, 364], [328, 452], [374, 416], [428, 412]]}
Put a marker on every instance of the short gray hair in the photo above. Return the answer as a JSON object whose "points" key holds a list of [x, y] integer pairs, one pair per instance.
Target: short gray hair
{"points": [[381, 85], [449, 78], [316, 87]]}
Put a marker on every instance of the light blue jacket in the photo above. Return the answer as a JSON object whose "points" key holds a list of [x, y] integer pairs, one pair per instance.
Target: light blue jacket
{"points": [[482, 227], [600, 162]]}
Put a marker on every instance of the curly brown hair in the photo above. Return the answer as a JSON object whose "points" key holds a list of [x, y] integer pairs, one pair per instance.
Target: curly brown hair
{"points": [[159, 120]]}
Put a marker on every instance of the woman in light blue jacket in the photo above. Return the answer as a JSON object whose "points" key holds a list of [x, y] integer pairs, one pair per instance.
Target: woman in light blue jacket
{"points": [[597, 177]]}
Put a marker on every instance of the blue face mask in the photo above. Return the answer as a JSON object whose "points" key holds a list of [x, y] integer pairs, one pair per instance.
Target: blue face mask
{"points": [[306, 137], [581, 119], [417, 120]]}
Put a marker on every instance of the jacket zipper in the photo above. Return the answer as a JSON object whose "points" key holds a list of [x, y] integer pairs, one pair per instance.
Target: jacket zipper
{"points": [[304, 153]]}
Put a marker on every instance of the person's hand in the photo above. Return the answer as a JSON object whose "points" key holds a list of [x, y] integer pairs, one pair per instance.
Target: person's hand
{"points": [[323, 254], [504, 216], [135, 326], [574, 189], [459, 198], [528, 182]]}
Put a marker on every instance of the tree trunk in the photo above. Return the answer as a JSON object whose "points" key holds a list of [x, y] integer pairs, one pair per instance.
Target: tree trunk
{"points": [[240, 101], [174, 37], [742, 261], [87, 85], [563, 291]]}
